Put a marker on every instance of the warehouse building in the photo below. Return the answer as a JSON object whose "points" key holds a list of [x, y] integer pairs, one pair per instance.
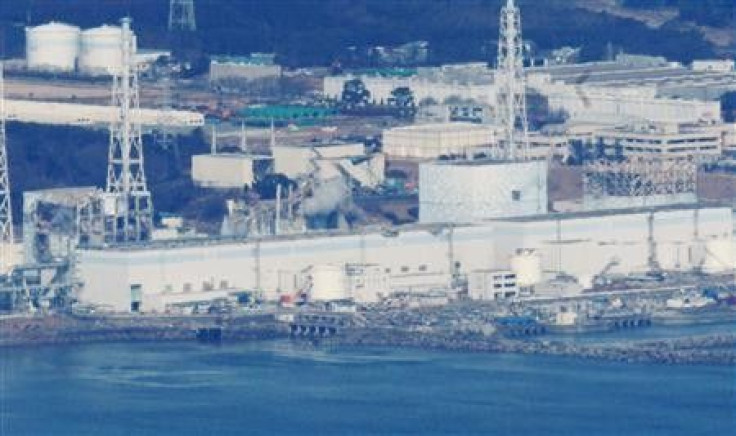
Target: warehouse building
{"points": [[430, 141], [71, 114], [666, 140], [253, 67]]}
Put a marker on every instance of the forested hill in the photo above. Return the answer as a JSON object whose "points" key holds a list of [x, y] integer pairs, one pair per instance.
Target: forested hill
{"points": [[309, 32]]}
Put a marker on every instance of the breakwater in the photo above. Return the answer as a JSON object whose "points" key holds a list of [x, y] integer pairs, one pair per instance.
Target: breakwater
{"points": [[717, 349]]}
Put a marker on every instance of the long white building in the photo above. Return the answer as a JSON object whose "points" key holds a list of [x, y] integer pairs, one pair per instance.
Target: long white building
{"points": [[415, 257], [71, 114]]}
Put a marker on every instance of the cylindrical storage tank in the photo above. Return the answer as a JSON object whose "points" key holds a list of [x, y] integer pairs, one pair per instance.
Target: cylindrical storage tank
{"points": [[52, 47], [101, 50], [328, 283], [719, 256], [527, 265]]}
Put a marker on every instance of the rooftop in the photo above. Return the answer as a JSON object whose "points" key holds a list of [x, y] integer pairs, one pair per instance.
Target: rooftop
{"points": [[385, 232]]}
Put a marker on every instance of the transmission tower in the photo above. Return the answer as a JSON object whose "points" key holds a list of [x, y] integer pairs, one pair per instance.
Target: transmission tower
{"points": [[181, 16], [132, 217], [512, 85], [6, 213]]}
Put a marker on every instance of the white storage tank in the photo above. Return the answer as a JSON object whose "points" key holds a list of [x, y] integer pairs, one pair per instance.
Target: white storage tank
{"points": [[101, 50], [327, 283], [52, 47], [527, 265]]}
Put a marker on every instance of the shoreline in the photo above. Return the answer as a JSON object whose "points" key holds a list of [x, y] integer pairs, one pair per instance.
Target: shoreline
{"points": [[707, 349]]}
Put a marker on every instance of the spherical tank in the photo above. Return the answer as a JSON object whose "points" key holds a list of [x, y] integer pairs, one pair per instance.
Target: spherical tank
{"points": [[52, 47], [101, 50], [719, 256], [527, 265], [328, 283]]}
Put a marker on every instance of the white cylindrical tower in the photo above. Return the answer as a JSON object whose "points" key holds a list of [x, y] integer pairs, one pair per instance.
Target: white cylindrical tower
{"points": [[52, 47], [328, 283], [527, 265], [100, 52]]}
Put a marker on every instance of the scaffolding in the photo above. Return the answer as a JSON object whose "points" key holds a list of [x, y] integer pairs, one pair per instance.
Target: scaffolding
{"points": [[640, 177]]}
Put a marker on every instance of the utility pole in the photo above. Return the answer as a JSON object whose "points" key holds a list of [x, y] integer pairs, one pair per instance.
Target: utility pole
{"points": [[511, 85], [6, 211], [132, 215], [181, 16]]}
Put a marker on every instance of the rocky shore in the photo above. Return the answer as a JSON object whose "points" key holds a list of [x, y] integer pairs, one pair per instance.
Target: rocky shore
{"points": [[716, 349], [710, 349]]}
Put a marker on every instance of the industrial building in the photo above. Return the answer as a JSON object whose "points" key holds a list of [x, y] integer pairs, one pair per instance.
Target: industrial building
{"points": [[417, 258], [665, 140], [72, 114], [228, 170], [430, 141], [630, 88], [472, 191], [254, 67]]}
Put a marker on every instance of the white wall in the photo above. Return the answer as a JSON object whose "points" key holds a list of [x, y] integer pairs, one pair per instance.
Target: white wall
{"points": [[222, 170], [577, 244], [44, 112], [465, 192]]}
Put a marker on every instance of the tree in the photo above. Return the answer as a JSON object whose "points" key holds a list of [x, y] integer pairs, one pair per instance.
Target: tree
{"points": [[355, 94], [403, 98]]}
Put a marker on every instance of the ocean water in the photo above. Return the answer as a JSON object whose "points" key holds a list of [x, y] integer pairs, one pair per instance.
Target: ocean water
{"points": [[281, 388]]}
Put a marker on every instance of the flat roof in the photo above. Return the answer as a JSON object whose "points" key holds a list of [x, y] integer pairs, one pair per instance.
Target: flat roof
{"points": [[443, 127], [388, 232], [243, 156]]}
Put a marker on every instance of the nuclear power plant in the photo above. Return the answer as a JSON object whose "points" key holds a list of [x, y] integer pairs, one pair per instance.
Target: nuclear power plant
{"points": [[487, 228]]}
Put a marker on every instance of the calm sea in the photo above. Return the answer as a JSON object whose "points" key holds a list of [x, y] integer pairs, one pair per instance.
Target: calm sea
{"points": [[278, 388]]}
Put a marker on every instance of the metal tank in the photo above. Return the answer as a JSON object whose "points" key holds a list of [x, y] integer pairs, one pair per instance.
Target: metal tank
{"points": [[100, 50], [52, 47], [327, 283]]}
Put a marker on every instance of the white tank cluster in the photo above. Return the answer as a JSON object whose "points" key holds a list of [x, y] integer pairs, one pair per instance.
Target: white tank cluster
{"points": [[60, 47], [52, 47]]}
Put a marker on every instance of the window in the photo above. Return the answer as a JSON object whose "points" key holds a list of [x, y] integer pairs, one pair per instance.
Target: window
{"points": [[423, 268], [516, 195], [404, 269]]}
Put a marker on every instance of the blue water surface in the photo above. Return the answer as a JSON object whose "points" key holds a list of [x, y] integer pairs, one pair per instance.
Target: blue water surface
{"points": [[281, 388]]}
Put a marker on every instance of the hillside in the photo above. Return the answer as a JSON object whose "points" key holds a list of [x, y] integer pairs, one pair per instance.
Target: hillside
{"points": [[309, 32]]}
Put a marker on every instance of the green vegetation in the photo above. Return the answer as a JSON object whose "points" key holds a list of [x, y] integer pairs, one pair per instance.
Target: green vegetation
{"points": [[317, 32], [717, 13], [42, 157]]}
